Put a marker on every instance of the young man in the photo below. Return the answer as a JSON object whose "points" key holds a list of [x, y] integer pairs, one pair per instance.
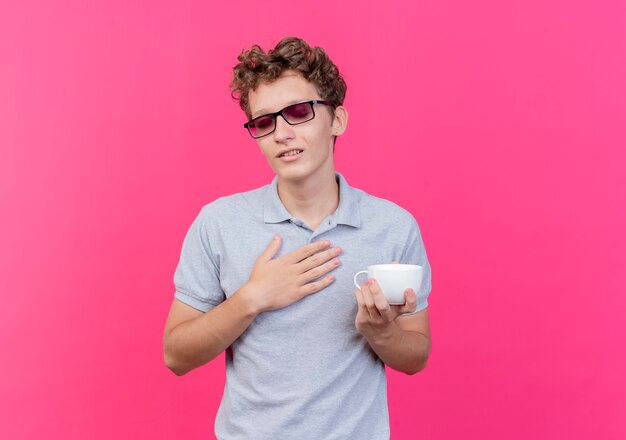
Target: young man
{"points": [[266, 275]]}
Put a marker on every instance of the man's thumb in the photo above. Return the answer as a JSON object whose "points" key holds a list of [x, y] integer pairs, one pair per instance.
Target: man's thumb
{"points": [[395, 262], [271, 248]]}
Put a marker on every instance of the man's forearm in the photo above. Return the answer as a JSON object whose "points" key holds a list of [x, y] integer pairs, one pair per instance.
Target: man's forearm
{"points": [[198, 341], [402, 350]]}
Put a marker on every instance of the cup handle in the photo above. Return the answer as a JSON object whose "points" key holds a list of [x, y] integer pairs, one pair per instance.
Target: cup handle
{"points": [[355, 277]]}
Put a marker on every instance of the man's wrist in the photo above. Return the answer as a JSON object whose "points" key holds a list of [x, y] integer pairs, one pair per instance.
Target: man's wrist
{"points": [[382, 336], [246, 298]]}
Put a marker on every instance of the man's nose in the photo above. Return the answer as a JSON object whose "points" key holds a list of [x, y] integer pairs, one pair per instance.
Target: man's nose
{"points": [[283, 130]]}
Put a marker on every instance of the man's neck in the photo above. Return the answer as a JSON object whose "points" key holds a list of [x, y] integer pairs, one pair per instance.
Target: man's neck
{"points": [[310, 201]]}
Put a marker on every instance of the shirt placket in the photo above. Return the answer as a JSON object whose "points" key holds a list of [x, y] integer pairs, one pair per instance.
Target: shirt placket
{"points": [[324, 227]]}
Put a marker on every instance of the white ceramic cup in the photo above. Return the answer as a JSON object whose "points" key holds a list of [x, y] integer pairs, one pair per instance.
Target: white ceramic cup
{"points": [[394, 279]]}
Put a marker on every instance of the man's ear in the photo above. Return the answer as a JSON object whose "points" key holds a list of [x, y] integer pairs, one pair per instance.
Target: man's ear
{"points": [[340, 121]]}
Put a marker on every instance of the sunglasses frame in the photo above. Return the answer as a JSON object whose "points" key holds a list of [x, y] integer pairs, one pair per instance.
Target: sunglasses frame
{"points": [[280, 113]]}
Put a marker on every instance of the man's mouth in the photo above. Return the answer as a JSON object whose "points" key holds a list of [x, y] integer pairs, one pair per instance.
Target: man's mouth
{"points": [[291, 153]]}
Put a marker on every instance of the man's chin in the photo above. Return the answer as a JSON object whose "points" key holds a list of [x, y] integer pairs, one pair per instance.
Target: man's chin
{"points": [[292, 175]]}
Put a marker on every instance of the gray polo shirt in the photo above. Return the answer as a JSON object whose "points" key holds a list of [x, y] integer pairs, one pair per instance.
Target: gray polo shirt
{"points": [[301, 372]]}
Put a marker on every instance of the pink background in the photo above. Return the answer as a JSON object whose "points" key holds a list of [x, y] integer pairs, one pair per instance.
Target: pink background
{"points": [[499, 125]]}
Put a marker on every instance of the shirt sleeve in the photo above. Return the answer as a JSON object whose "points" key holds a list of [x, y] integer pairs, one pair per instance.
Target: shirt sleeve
{"points": [[197, 276], [415, 253]]}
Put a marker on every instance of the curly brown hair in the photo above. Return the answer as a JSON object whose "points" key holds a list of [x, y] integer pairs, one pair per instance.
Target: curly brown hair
{"points": [[256, 66]]}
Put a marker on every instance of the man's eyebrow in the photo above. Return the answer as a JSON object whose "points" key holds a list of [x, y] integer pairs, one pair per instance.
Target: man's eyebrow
{"points": [[265, 111]]}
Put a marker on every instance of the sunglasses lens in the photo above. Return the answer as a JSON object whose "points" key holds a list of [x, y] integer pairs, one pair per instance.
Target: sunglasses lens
{"points": [[294, 114], [299, 113], [261, 126]]}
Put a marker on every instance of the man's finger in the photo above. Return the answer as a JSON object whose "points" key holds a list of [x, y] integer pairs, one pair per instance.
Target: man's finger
{"points": [[368, 299], [306, 251], [395, 262], [382, 305], [361, 302], [410, 301]]}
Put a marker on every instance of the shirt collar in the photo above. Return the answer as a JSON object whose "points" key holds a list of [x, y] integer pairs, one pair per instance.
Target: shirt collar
{"points": [[347, 213]]}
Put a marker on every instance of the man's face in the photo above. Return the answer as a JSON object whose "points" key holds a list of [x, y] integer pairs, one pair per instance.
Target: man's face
{"points": [[313, 138]]}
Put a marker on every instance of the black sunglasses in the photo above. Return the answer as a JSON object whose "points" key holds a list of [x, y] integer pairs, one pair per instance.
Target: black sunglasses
{"points": [[294, 114]]}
